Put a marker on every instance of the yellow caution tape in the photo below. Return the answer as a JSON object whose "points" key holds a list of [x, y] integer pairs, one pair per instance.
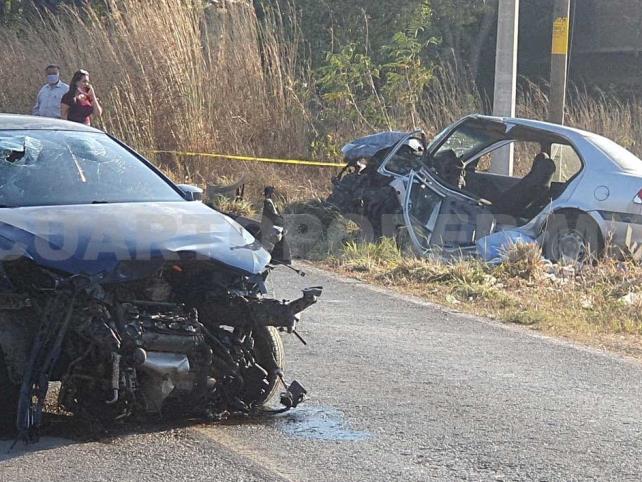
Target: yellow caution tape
{"points": [[251, 159]]}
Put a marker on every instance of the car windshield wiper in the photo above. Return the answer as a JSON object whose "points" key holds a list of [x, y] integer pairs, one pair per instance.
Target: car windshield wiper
{"points": [[100, 202], [6, 206]]}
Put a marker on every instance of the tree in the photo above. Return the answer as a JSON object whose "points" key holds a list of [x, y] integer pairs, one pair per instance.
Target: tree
{"points": [[464, 27], [374, 87], [328, 25]]}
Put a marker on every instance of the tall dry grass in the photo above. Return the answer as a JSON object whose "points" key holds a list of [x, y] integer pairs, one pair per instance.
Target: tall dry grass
{"points": [[595, 111], [174, 75], [179, 75], [452, 95]]}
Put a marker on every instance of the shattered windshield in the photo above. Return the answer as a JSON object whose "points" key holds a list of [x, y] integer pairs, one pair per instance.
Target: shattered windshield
{"points": [[46, 167], [470, 138]]}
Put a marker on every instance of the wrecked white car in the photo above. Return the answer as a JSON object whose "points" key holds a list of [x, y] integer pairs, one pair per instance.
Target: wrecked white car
{"points": [[574, 192]]}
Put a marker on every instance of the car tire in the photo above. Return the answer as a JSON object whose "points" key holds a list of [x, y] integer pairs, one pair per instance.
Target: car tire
{"points": [[9, 395], [270, 354], [572, 237]]}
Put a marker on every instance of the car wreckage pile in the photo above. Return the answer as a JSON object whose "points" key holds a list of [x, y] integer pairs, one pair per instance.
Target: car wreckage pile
{"points": [[577, 193], [122, 286]]}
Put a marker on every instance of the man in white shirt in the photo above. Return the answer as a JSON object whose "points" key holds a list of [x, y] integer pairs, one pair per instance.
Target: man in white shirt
{"points": [[48, 100]]}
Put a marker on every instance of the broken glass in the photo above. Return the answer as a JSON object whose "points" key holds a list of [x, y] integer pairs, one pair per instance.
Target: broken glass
{"points": [[47, 167]]}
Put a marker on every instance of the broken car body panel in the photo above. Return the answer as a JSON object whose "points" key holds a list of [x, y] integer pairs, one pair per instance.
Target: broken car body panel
{"points": [[94, 239]]}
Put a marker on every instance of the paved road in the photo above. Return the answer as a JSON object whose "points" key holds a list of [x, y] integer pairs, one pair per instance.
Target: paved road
{"points": [[400, 390]]}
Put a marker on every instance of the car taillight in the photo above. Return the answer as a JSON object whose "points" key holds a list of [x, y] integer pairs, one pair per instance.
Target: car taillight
{"points": [[638, 197]]}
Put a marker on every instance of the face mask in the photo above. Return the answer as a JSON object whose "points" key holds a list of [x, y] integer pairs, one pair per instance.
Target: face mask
{"points": [[53, 78]]}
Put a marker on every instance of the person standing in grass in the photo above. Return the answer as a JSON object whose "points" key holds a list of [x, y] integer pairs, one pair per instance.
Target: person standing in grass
{"points": [[49, 96], [80, 104]]}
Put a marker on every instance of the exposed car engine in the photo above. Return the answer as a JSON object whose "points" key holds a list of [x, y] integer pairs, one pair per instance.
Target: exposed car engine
{"points": [[144, 348]]}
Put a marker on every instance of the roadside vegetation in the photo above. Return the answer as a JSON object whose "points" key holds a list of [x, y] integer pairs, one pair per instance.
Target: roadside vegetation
{"points": [[216, 77], [597, 304]]}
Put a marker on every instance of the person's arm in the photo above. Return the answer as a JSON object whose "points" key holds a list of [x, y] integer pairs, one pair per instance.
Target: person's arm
{"points": [[98, 109], [64, 111], [36, 108]]}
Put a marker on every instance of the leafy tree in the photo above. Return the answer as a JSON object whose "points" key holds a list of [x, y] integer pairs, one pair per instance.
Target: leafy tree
{"points": [[406, 73], [347, 84], [372, 86], [328, 25], [465, 27]]}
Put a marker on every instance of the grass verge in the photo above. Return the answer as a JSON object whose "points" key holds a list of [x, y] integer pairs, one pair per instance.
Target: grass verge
{"points": [[595, 305]]}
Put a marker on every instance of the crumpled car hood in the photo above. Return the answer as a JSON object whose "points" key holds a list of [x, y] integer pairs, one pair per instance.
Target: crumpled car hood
{"points": [[95, 239], [368, 146]]}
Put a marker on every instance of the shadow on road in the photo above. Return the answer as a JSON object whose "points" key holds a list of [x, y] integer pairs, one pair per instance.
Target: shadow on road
{"points": [[307, 421], [60, 430]]}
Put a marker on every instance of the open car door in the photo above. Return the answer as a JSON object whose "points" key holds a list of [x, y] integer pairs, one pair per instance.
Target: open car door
{"points": [[437, 218], [421, 211]]}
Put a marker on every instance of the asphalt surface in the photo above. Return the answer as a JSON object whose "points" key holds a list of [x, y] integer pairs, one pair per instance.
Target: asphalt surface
{"points": [[399, 390]]}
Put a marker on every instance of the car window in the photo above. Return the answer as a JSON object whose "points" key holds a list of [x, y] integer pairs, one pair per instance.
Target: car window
{"points": [[567, 162], [45, 167], [406, 158], [523, 156]]}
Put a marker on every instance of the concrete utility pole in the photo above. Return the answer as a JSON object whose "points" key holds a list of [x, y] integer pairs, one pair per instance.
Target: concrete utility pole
{"points": [[505, 77], [559, 61]]}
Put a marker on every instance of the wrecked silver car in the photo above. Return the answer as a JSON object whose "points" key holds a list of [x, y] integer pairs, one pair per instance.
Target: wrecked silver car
{"points": [[117, 283], [574, 192]]}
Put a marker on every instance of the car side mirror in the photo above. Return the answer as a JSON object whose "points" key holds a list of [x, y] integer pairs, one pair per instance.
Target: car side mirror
{"points": [[191, 193]]}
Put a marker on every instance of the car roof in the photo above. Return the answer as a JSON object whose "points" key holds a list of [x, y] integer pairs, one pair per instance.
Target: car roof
{"points": [[27, 122], [559, 129], [603, 147]]}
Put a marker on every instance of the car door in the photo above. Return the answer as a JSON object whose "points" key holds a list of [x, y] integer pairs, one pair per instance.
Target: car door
{"points": [[421, 208], [437, 217]]}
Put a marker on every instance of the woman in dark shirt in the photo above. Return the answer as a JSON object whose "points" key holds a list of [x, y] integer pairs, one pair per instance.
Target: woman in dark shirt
{"points": [[80, 103]]}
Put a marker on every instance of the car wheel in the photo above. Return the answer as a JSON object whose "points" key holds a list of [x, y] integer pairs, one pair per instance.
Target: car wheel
{"points": [[270, 354], [9, 394], [571, 238]]}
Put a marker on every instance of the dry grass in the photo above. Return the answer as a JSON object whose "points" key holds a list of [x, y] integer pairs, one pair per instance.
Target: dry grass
{"points": [[178, 75], [451, 96], [237, 207], [599, 305], [605, 114], [175, 75], [524, 260]]}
